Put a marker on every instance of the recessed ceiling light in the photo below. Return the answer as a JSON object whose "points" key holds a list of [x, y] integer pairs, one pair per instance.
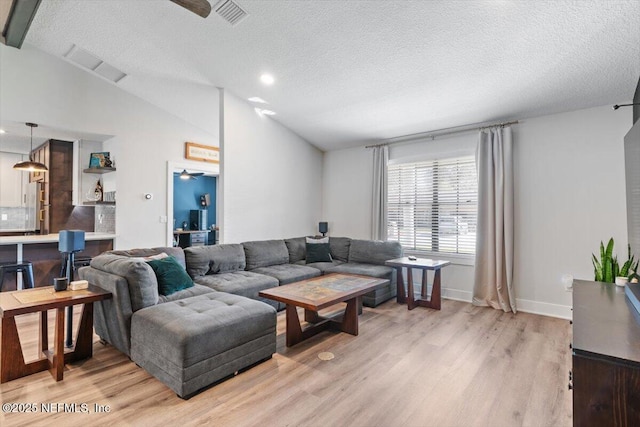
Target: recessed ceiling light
{"points": [[3, 131], [257, 100], [267, 79]]}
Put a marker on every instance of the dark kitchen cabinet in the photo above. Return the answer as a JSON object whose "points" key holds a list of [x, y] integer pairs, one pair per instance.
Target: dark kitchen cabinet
{"points": [[606, 356], [55, 186]]}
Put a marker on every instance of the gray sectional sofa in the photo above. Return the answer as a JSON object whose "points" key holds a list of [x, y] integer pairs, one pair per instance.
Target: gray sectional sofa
{"points": [[197, 336]]}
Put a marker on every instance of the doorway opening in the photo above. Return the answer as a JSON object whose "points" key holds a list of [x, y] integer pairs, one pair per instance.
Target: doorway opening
{"points": [[192, 204]]}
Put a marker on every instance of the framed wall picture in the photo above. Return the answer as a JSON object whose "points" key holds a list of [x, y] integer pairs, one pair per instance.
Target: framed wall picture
{"points": [[100, 160], [203, 153]]}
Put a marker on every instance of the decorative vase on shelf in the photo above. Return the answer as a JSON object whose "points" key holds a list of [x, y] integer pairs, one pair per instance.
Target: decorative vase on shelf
{"points": [[98, 192]]}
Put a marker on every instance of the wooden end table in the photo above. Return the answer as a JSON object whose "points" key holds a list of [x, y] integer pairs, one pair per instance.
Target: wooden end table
{"points": [[12, 364], [318, 293], [424, 265]]}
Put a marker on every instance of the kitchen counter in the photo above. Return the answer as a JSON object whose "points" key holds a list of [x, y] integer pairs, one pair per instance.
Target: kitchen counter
{"points": [[42, 251], [48, 238]]}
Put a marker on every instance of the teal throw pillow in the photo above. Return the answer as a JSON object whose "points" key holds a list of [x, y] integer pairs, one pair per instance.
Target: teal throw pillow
{"points": [[318, 252], [171, 276]]}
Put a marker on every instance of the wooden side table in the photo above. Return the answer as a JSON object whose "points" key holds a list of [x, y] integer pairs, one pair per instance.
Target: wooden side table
{"points": [[12, 363], [424, 265]]}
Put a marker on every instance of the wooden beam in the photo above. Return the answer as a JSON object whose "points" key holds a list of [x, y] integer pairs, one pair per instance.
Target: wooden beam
{"points": [[17, 20]]}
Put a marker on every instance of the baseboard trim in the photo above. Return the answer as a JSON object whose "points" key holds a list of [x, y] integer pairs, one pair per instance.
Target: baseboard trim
{"points": [[455, 294], [544, 308], [526, 306]]}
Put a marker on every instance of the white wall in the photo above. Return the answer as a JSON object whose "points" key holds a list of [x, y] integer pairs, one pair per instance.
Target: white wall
{"points": [[570, 194], [347, 191], [40, 88], [272, 178]]}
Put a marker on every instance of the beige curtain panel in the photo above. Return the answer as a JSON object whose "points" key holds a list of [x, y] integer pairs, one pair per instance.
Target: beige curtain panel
{"points": [[493, 284], [379, 205]]}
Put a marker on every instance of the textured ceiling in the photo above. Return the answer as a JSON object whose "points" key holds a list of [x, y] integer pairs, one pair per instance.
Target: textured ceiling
{"points": [[353, 72]]}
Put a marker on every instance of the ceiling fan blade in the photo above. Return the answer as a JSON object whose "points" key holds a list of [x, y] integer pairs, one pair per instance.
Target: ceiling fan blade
{"points": [[196, 173], [199, 7]]}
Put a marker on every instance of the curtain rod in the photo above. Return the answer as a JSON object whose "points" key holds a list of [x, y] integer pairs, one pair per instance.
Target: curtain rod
{"points": [[440, 132]]}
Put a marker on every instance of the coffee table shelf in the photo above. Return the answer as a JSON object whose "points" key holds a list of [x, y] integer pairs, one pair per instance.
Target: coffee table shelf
{"points": [[318, 293]]}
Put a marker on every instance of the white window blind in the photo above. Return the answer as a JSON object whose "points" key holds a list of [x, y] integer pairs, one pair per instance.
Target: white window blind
{"points": [[432, 206]]}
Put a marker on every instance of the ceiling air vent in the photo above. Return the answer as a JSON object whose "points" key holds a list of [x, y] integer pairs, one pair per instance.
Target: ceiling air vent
{"points": [[88, 60], [230, 11]]}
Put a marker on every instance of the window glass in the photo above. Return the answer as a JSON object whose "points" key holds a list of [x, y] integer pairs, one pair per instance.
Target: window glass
{"points": [[432, 205]]}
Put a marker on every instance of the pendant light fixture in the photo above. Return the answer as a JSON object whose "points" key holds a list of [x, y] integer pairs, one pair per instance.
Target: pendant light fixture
{"points": [[186, 175], [30, 165]]}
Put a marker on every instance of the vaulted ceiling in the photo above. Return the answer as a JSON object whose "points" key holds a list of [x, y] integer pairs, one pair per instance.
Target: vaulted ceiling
{"points": [[352, 72]]}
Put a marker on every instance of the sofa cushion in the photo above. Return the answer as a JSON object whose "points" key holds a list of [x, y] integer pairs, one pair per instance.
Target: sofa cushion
{"points": [[176, 252], [265, 253], [143, 285], [289, 273], [379, 271], [171, 276], [373, 251], [193, 291], [218, 316], [340, 248], [322, 266], [214, 259], [297, 249], [244, 283]]}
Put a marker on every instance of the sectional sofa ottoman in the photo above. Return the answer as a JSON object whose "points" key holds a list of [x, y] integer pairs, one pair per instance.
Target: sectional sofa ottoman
{"points": [[197, 336], [191, 343]]}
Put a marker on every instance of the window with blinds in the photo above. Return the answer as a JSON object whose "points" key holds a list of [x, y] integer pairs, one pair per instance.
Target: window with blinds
{"points": [[432, 205]]}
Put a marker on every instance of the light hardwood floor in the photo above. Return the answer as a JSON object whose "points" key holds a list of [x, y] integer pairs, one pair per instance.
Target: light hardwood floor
{"points": [[462, 366]]}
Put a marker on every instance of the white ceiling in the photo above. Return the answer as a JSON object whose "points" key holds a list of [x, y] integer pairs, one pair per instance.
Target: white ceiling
{"points": [[352, 72], [17, 138]]}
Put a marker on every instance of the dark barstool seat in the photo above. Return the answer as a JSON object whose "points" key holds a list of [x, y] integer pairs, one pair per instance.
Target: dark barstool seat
{"points": [[26, 267]]}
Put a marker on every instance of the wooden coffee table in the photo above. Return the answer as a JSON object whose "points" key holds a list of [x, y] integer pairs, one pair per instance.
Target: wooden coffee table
{"points": [[318, 293], [12, 364]]}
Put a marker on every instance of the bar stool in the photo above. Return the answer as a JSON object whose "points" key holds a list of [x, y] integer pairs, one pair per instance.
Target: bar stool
{"points": [[25, 267], [77, 263]]}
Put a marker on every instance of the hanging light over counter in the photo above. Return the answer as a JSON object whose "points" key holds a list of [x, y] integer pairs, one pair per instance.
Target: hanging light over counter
{"points": [[30, 165]]}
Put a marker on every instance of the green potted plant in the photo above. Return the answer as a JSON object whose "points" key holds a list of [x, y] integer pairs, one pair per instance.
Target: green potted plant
{"points": [[607, 269]]}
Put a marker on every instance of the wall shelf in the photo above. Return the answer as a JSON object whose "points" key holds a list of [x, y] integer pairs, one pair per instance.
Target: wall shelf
{"points": [[99, 170], [91, 203]]}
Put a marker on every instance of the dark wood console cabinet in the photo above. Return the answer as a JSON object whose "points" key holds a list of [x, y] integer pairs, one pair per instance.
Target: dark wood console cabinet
{"points": [[606, 357]]}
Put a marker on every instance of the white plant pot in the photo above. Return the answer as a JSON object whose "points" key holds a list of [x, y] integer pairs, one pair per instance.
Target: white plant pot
{"points": [[621, 280]]}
